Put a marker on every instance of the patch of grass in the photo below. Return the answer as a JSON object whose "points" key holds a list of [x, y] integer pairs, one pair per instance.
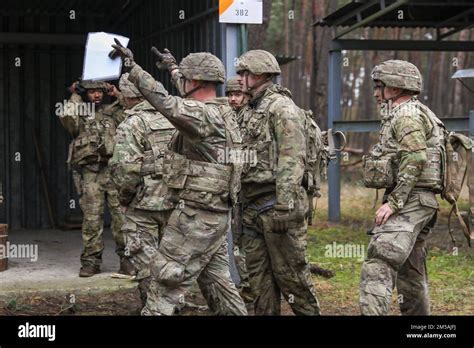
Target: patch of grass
{"points": [[339, 293], [451, 275], [14, 305]]}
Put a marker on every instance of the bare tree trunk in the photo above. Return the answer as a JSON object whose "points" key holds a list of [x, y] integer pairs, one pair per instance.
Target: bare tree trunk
{"points": [[461, 64], [258, 33], [321, 43]]}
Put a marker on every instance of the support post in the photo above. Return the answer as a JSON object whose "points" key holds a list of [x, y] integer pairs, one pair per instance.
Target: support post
{"points": [[334, 114], [229, 53], [232, 48]]}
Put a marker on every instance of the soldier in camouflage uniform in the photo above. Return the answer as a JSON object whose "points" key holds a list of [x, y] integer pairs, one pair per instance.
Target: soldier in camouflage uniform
{"points": [[406, 162], [238, 101], [137, 171], [92, 125], [274, 201], [193, 247]]}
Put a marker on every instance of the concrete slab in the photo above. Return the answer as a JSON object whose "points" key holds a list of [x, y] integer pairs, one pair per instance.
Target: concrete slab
{"points": [[57, 266]]}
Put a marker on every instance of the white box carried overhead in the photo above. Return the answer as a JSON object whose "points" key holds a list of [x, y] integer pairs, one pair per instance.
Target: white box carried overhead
{"points": [[97, 64], [241, 11]]}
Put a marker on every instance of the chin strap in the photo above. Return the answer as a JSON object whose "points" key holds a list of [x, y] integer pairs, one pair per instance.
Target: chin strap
{"points": [[394, 98], [258, 84], [187, 94]]}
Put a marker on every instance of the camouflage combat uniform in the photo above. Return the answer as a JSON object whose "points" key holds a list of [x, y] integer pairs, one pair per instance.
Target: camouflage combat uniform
{"points": [[273, 128], [193, 247], [137, 171], [410, 138], [234, 85], [89, 154]]}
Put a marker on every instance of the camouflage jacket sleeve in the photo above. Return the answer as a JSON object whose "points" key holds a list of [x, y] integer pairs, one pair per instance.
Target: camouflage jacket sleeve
{"points": [[409, 132], [185, 115], [291, 148], [128, 157], [68, 117], [177, 80]]}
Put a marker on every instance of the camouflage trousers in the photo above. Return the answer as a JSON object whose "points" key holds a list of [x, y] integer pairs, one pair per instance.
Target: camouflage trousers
{"points": [[97, 188], [240, 263], [193, 248], [277, 263], [396, 256], [239, 254], [142, 233]]}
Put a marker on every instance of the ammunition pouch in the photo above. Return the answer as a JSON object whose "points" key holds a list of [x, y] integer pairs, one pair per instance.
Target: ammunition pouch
{"points": [[379, 172], [85, 149], [107, 150], [159, 139], [152, 164], [432, 175], [202, 184]]}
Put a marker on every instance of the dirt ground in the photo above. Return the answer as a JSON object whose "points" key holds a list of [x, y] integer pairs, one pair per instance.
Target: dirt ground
{"points": [[126, 301]]}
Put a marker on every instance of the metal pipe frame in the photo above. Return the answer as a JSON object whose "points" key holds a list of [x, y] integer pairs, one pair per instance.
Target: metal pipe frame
{"points": [[335, 122], [43, 39], [458, 28], [334, 115], [361, 22], [403, 45]]}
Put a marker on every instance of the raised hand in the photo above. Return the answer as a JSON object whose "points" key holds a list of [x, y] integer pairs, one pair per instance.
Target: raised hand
{"points": [[124, 53], [165, 60]]}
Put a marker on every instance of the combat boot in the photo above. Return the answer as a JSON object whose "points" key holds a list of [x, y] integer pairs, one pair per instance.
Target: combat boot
{"points": [[89, 270], [126, 267]]}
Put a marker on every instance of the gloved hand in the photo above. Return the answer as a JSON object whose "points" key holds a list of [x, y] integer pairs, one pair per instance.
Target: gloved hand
{"points": [[76, 88], [124, 53], [165, 60], [283, 216]]}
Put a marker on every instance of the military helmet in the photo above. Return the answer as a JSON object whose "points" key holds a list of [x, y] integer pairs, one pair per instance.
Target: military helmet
{"points": [[127, 88], [398, 74], [93, 85], [233, 85], [202, 66], [258, 62]]}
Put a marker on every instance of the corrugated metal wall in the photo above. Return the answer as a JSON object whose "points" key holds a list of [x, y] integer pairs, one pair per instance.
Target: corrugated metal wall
{"points": [[182, 26], [29, 92]]}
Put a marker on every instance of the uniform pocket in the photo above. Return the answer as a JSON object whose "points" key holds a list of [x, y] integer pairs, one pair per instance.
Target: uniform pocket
{"points": [[167, 271], [429, 200], [132, 239]]}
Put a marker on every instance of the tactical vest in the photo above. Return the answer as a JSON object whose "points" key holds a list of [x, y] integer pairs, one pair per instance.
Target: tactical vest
{"points": [[258, 139], [95, 141], [205, 185], [382, 163], [157, 139]]}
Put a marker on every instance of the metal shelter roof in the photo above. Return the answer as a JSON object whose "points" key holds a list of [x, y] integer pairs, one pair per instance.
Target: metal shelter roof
{"points": [[446, 17], [452, 16], [466, 77]]}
